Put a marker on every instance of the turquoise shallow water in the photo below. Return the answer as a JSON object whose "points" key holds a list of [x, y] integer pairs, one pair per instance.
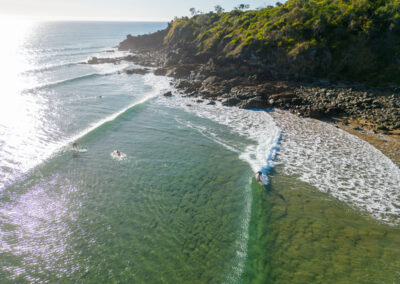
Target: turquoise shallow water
{"points": [[300, 235], [165, 212], [181, 206], [49, 97]]}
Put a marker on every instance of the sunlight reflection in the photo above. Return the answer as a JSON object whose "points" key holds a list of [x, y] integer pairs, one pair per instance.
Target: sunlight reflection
{"points": [[19, 111], [40, 219]]}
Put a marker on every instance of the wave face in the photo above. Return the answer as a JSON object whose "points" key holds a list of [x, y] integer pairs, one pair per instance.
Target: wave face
{"points": [[49, 99], [111, 70], [41, 180], [257, 126], [340, 164], [41, 151]]}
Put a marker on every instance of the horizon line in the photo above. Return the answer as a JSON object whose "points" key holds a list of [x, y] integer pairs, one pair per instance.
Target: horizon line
{"points": [[78, 19]]}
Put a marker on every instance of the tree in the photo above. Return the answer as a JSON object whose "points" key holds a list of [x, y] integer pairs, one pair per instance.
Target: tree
{"points": [[278, 4], [243, 7], [218, 9], [195, 12]]}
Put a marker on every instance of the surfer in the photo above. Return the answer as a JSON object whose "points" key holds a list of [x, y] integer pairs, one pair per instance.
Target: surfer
{"points": [[77, 149], [258, 178], [118, 155]]}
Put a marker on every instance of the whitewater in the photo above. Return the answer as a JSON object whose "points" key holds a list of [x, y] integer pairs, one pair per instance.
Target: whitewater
{"points": [[320, 154], [179, 205]]}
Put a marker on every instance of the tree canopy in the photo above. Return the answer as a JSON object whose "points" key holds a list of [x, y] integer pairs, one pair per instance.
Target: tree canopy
{"points": [[346, 39]]}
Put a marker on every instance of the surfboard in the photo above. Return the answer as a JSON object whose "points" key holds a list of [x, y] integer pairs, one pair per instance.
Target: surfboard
{"points": [[81, 150]]}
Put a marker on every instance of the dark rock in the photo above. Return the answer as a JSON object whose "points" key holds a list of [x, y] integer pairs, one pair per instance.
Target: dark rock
{"points": [[95, 60], [172, 59], [179, 71], [137, 71], [183, 84], [383, 127], [210, 80], [168, 94], [161, 71], [133, 58], [256, 102], [233, 101], [152, 41], [234, 82]]}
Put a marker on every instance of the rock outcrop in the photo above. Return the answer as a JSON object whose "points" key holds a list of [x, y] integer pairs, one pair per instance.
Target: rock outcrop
{"points": [[260, 73]]}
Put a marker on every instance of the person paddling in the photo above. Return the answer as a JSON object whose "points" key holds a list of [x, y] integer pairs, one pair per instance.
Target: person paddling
{"points": [[258, 178]]}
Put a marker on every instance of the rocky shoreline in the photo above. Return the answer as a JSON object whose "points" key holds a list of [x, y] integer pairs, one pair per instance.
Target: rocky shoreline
{"points": [[352, 107], [245, 86], [377, 110]]}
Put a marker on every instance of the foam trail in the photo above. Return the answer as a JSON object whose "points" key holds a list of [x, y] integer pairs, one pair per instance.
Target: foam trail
{"points": [[258, 126], [203, 131], [254, 125]]}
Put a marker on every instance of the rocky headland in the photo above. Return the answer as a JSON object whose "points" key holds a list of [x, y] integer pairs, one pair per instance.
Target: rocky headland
{"points": [[238, 72]]}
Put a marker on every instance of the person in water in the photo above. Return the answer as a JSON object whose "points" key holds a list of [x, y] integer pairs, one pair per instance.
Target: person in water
{"points": [[118, 153], [258, 178], [75, 146]]}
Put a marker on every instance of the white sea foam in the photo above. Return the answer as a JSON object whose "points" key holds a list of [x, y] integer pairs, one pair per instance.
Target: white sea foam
{"points": [[118, 157], [109, 68], [341, 164], [115, 54], [257, 126], [320, 154], [332, 160]]}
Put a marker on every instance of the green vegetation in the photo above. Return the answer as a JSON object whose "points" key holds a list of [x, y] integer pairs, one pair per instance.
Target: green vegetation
{"points": [[355, 40]]}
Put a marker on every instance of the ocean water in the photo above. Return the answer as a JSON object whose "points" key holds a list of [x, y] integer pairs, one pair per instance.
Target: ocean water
{"points": [[180, 205]]}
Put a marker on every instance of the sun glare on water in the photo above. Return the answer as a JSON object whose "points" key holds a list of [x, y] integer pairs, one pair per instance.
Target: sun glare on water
{"points": [[18, 108]]}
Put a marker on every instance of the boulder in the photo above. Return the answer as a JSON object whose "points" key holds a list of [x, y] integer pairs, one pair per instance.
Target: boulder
{"points": [[180, 71], [183, 84], [210, 80], [233, 101], [137, 71], [256, 102], [161, 71], [95, 60]]}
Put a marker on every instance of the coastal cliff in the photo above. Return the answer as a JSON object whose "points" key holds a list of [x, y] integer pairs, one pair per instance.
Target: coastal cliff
{"points": [[321, 59]]}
